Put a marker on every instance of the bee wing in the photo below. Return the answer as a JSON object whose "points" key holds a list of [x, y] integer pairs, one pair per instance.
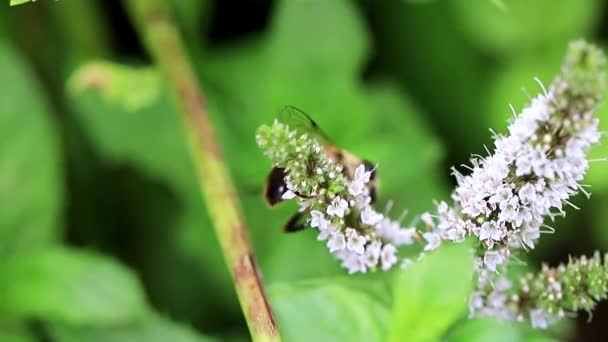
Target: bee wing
{"points": [[296, 223], [302, 123]]}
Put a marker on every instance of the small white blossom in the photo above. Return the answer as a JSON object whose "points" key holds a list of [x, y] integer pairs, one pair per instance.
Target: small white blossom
{"points": [[370, 216], [354, 263], [318, 220], [337, 207], [388, 256], [287, 195], [358, 185], [372, 253], [490, 231], [529, 235], [539, 318], [433, 240], [427, 219], [327, 232], [337, 242], [492, 259], [355, 242]]}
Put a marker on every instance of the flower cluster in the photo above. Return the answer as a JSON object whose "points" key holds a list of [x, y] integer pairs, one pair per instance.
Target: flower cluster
{"points": [[546, 296], [530, 175], [336, 202]]}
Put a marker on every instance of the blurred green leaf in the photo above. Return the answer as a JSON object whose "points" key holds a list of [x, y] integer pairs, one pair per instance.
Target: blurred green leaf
{"points": [[518, 31], [75, 287], [30, 162], [422, 47], [131, 120], [18, 2], [152, 329], [481, 330], [431, 294], [15, 332], [320, 310]]}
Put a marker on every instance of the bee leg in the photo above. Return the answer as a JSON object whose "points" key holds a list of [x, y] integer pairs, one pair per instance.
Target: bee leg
{"points": [[295, 223]]}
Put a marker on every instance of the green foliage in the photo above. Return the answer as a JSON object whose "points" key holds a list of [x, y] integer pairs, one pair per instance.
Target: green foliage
{"points": [[11, 331], [481, 330], [436, 76], [317, 310], [151, 329], [30, 161], [18, 2], [431, 295], [69, 286], [519, 31]]}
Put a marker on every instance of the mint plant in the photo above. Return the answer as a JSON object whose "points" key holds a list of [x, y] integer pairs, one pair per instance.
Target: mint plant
{"points": [[502, 203]]}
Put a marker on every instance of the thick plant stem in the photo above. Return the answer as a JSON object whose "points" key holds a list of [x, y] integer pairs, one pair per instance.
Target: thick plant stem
{"points": [[164, 43]]}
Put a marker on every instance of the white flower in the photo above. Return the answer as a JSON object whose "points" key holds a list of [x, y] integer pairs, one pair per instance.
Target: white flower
{"points": [[370, 216], [287, 195], [433, 239], [337, 207], [337, 242], [527, 193], [354, 263], [324, 234], [456, 233], [492, 259], [502, 194], [360, 179], [490, 231], [497, 299], [442, 208], [523, 128], [529, 235], [355, 242], [475, 302], [372, 253], [539, 318], [388, 256], [404, 236], [509, 209], [524, 215], [427, 219], [318, 220]]}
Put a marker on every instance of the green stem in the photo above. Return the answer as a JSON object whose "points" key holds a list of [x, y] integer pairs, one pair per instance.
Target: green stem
{"points": [[164, 43]]}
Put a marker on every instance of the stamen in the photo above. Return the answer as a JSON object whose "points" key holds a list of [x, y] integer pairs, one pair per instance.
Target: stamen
{"points": [[542, 86]]}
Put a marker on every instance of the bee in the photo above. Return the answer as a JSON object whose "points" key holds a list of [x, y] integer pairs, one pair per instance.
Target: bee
{"points": [[276, 186]]}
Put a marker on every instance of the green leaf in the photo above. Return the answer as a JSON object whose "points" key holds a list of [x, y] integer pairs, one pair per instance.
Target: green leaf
{"points": [[322, 310], [30, 162], [130, 118], [75, 287], [152, 329], [11, 331], [431, 294], [518, 31], [481, 330], [18, 2], [429, 73]]}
